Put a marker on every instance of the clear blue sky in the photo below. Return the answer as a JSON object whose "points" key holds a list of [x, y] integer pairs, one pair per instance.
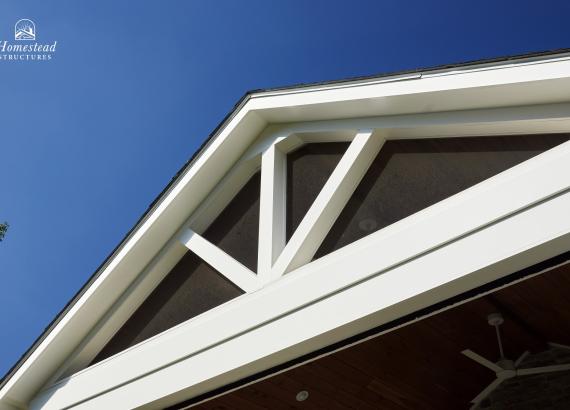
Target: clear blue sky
{"points": [[90, 138]]}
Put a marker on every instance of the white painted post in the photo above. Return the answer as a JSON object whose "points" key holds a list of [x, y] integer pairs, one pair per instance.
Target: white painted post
{"points": [[272, 210]]}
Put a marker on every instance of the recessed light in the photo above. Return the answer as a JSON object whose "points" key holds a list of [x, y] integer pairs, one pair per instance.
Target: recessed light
{"points": [[367, 224], [302, 395]]}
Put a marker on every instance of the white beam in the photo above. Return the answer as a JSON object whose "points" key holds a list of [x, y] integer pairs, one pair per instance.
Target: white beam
{"points": [[267, 338], [503, 217], [221, 261], [272, 209], [329, 203]]}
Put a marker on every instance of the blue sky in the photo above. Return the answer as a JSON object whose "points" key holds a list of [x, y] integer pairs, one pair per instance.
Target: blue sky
{"points": [[90, 138]]}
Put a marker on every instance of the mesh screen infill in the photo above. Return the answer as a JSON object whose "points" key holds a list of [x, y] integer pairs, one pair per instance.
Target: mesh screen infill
{"points": [[236, 229], [192, 286], [410, 175], [308, 169]]}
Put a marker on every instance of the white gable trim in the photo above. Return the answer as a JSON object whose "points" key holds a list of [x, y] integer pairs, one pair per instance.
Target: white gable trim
{"points": [[534, 194], [335, 292], [513, 84]]}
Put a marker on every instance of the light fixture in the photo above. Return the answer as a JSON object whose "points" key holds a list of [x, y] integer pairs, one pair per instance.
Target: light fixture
{"points": [[368, 224], [302, 395]]}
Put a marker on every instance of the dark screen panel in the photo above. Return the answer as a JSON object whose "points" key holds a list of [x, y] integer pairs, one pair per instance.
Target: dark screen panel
{"points": [[192, 287], [236, 229], [308, 168], [410, 175]]}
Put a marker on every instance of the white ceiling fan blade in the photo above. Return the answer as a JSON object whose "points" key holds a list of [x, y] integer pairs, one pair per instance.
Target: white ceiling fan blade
{"points": [[521, 358], [544, 369], [560, 346], [487, 390], [481, 360]]}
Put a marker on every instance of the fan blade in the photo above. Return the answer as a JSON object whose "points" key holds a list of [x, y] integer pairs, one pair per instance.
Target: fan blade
{"points": [[521, 358], [481, 360], [544, 369], [487, 390], [558, 345]]}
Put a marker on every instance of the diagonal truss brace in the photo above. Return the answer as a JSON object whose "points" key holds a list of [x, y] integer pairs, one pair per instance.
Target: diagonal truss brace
{"points": [[221, 261], [329, 203], [276, 258]]}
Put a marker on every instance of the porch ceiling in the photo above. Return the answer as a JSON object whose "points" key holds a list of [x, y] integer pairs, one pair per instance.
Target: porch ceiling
{"points": [[420, 365]]}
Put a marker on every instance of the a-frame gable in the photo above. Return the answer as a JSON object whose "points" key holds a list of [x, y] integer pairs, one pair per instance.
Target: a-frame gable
{"points": [[406, 176], [290, 302]]}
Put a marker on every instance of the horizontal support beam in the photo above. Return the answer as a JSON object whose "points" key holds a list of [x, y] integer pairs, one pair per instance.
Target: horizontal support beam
{"points": [[398, 291], [514, 219]]}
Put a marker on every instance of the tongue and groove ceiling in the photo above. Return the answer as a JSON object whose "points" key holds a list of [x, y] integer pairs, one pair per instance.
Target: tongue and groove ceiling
{"points": [[420, 366]]}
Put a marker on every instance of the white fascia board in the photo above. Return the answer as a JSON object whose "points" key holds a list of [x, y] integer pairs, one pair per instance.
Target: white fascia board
{"points": [[545, 81], [473, 213], [503, 85], [277, 346], [532, 235]]}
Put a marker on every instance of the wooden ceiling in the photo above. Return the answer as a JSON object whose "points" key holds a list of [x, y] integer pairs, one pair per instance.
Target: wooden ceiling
{"points": [[419, 366]]}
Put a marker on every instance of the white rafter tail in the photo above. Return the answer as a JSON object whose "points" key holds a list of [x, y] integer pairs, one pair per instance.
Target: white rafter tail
{"points": [[544, 369], [488, 390], [271, 210], [482, 361], [329, 203], [221, 261]]}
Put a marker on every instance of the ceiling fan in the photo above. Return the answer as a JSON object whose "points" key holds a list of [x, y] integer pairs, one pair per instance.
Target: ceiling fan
{"points": [[506, 368]]}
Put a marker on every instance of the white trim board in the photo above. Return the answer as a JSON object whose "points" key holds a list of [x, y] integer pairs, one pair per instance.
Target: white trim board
{"points": [[398, 291], [377, 332], [282, 139], [504, 85], [534, 194]]}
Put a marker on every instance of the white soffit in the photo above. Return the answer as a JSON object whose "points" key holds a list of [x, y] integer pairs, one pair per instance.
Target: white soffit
{"points": [[539, 81]]}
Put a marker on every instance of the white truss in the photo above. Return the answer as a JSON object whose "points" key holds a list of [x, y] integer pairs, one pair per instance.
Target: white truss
{"points": [[294, 305], [475, 209]]}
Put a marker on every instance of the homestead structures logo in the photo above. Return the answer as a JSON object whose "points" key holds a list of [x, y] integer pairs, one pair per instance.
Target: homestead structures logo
{"points": [[24, 29], [25, 47]]}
